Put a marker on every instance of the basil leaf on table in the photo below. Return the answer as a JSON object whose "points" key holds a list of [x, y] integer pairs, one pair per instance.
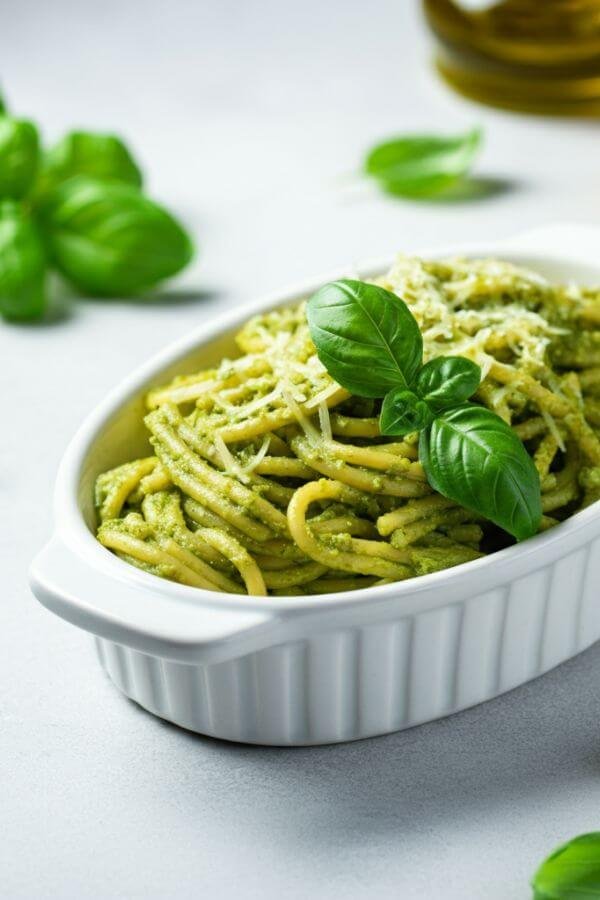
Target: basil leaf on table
{"points": [[19, 154], [447, 380], [365, 336], [110, 240], [572, 872], [403, 412], [472, 456], [103, 156], [422, 165], [22, 265]]}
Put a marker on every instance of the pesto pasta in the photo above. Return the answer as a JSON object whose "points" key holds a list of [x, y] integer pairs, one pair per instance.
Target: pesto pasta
{"points": [[268, 477]]}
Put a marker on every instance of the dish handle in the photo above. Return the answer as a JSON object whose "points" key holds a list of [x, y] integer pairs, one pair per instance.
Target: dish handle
{"points": [[153, 621]]}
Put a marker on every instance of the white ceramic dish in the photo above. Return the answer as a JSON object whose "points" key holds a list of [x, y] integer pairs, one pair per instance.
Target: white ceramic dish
{"points": [[312, 670]]}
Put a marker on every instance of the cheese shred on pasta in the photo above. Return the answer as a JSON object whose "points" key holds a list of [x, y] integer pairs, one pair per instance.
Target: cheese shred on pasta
{"points": [[267, 477]]}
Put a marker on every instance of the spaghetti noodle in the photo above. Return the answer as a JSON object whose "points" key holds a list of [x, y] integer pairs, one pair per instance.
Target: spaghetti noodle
{"points": [[268, 477]]}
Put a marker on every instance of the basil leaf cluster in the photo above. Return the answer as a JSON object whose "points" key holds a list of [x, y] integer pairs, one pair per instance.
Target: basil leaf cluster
{"points": [[78, 207], [370, 343], [572, 871], [421, 166]]}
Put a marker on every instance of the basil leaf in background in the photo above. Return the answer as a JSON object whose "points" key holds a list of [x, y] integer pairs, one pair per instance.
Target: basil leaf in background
{"points": [[472, 456], [403, 412], [103, 156], [19, 155], [572, 872], [110, 240], [422, 165], [447, 381], [22, 265], [366, 337]]}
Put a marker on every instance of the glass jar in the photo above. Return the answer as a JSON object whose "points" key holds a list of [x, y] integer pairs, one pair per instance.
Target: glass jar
{"points": [[532, 55]]}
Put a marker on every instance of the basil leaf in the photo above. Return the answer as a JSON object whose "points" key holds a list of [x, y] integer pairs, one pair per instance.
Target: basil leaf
{"points": [[572, 872], [403, 412], [472, 456], [22, 265], [366, 337], [447, 381], [108, 239], [103, 156], [422, 165], [19, 152]]}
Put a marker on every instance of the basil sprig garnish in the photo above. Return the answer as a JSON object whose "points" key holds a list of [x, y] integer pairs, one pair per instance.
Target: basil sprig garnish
{"points": [[572, 871], [370, 343]]}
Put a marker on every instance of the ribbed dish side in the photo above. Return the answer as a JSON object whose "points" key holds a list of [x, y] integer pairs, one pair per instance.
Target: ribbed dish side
{"points": [[352, 683]]}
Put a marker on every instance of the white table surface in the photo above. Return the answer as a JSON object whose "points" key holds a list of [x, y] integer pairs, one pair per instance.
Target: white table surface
{"points": [[250, 118]]}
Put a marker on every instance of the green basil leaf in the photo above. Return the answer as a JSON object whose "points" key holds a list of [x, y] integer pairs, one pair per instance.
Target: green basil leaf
{"points": [[19, 154], [403, 412], [422, 165], [22, 265], [572, 872], [472, 456], [366, 337], [110, 240], [103, 156], [447, 381]]}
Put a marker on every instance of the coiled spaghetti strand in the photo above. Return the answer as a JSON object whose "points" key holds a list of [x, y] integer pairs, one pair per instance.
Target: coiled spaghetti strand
{"points": [[162, 511], [114, 487], [179, 460], [238, 556], [276, 492], [115, 535], [373, 458], [357, 478], [347, 559]]}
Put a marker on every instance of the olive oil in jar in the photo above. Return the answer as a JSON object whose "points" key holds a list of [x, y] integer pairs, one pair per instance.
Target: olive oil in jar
{"points": [[538, 56]]}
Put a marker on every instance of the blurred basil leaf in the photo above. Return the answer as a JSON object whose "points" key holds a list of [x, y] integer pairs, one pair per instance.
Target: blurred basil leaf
{"points": [[22, 265], [110, 240], [103, 156], [572, 872], [422, 166], [19, 156]]}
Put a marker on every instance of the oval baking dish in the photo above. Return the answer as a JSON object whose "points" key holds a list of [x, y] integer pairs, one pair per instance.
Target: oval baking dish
{"points": [[319, 669]]}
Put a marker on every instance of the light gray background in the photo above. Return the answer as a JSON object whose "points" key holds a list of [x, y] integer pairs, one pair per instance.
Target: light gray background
{"points": [[250, 119]]}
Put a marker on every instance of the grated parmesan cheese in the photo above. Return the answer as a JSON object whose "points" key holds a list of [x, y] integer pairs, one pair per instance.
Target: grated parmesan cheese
{"points": [[325, 422]]}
